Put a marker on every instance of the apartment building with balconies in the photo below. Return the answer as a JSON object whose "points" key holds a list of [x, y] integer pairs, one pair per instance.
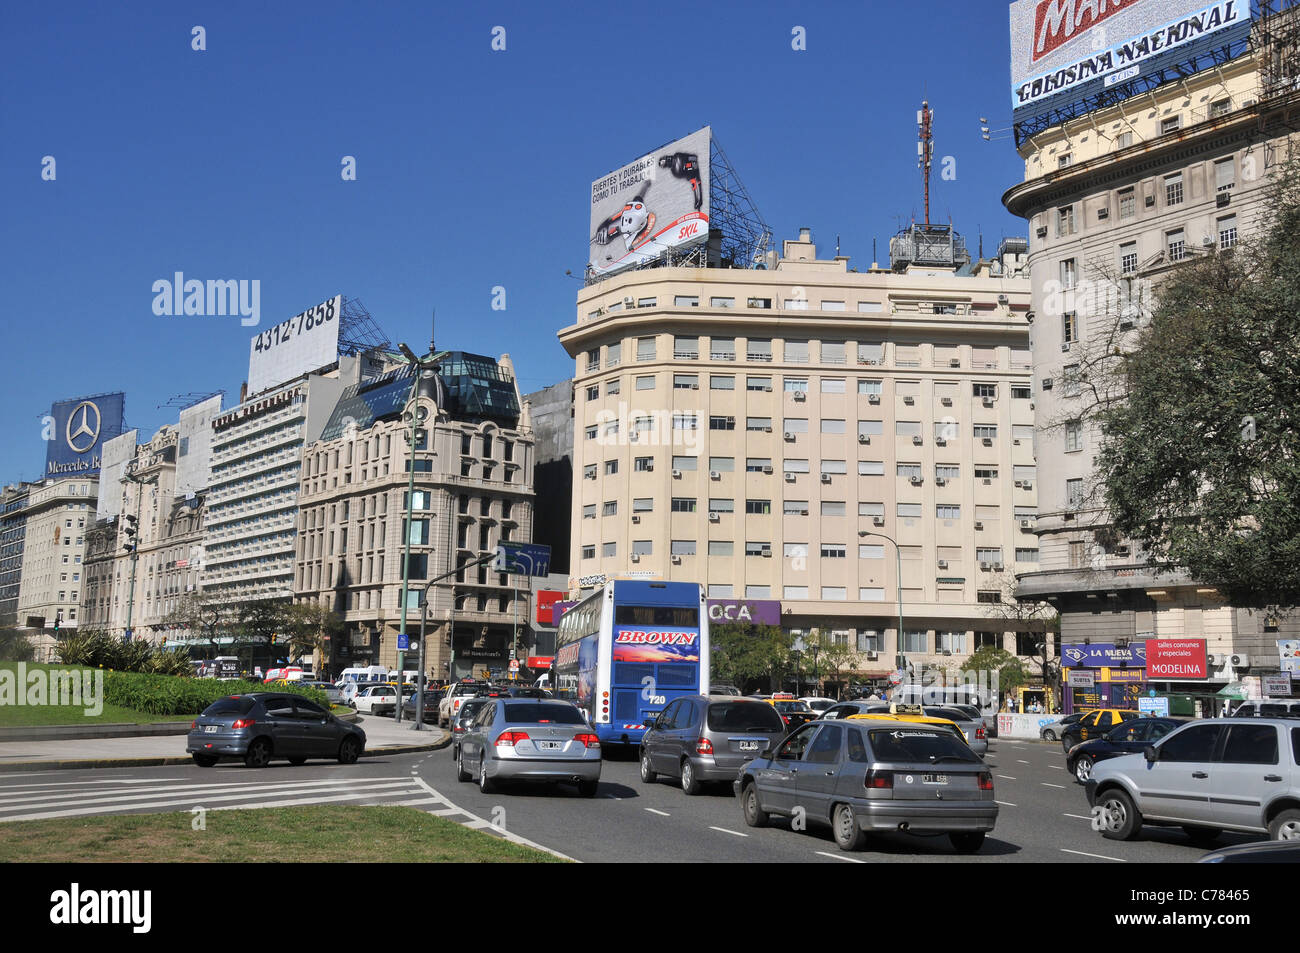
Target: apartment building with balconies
{"points": [[59, 513]]}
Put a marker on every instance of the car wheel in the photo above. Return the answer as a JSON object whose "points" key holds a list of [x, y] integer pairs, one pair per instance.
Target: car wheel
{"points": [[1082, 768], [690, 783], [647, 774], [349, 751], [485, 784], [755, 816], [205, 760], [848, 835], [258, 754], [1202, 836], [461, 773], [1120, 819], [588, 788], [1049, 736], [1286, 826], [297, 760], [967, 842]]}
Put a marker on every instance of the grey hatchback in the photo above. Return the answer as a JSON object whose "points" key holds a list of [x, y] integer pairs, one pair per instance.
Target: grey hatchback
{"points": [[261, 726], [866, 775], [702, 738]]}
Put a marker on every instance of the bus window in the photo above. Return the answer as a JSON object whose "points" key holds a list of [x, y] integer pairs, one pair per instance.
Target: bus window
{"points": [[684, 617]]}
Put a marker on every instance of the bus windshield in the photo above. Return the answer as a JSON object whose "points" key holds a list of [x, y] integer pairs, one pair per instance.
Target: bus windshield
{"points": [[657, 615]]}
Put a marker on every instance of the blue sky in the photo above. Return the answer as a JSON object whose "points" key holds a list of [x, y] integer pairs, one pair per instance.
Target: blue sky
{"points": [[473, 166]]}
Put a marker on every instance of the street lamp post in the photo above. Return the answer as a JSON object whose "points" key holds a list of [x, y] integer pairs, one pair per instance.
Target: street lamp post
{"points": [[902, 654], [135, 546]]}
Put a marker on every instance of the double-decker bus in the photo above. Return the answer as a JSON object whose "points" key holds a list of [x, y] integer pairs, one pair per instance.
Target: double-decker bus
{"points": [[627, 650]]}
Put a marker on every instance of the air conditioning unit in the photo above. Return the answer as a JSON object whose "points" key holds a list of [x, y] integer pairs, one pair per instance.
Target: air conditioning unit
{"points": [[985, 567], [767, 429], [947, 651], [940, 442], [1003, 299], [979, 525], [864, 438], [916, 481], [789, 435], [677, 474], [714, 516], [1026, 524], [909, 401], [1065, 345], [677, 560], [1222, 199], [767, 552], [987, 441], [1047, 383], [636, 558], [695, 387], [988, 481], [715, 475], [589, 476], [988, 401], [873, 398], [946, 401], [635, 518], [997, 567], [1029, 484], [1121, 550], [767, 468], [940, 481], [1126, 324], [649, 467], [629, 302], [1239, 661], [954, 362], [1020, 483], [872, 656], [1207, 241], [789, 477], [800, 395], [767, 388], [826, 478], [917, 441], [878, 520], [943, 564], [1042, 231]]}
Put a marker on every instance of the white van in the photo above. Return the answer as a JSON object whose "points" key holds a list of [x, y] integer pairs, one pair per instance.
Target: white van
{"points": [[370, 673]]}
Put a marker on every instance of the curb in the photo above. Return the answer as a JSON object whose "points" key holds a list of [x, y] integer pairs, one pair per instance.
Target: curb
{"points": [[163, 761]]}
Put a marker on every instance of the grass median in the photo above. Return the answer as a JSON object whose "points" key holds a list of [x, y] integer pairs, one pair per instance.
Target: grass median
{"points": [[327, 833]]}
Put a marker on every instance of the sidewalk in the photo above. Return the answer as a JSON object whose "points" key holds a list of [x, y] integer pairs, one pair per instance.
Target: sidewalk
{"points": [[383, 737]]}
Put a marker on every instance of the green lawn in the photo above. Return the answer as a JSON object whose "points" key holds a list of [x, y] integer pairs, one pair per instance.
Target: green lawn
{"points": [[327, 833]]}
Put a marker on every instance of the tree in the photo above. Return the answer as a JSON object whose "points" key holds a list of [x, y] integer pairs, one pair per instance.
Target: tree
{"points": [[831, 654], [202, 614], [1039, 619], [1009, 669], [1200, 462], [746, 652], [311, 627], [15, 647]]}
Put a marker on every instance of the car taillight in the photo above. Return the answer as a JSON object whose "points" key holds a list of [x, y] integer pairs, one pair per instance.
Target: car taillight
{"points": [[510, 738], [588, 739], [979, 733], [785, 719], [458, 730], [986, 781], [243, 723], [704, 746], [879, 780], [194, 724]]}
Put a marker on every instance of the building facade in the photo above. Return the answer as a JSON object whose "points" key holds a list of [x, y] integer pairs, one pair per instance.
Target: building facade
{"points": [[59, 512], [1116, 201], [13, 532], [473, 468], [798, 434]]}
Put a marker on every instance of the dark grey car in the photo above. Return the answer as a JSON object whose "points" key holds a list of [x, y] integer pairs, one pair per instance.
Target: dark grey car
{"points": [[262, 726], [865, 775], [702, 738]]}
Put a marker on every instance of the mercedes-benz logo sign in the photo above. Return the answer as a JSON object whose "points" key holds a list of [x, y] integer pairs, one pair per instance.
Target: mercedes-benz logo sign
{"points": [[80, 430]]}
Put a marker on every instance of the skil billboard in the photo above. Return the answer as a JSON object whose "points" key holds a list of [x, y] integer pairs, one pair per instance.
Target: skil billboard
{"points": [[658, 202], [1063, 51], [75, 432]]}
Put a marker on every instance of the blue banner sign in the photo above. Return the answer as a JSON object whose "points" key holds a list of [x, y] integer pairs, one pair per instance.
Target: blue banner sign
{"points": [[75, 432], [1103, 655]]}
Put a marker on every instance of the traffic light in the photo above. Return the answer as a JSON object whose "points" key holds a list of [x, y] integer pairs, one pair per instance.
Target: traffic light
{"points": [[58, 618], [129, 531]]}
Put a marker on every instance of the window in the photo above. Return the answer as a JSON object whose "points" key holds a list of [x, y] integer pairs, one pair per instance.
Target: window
{"points": [[647, 302], [686, 301], [757, 549], [1176, 243], [833, 508], [1196, 743], [643, 547], [793, 465], [909, 510], [721, 382], [833, 426], [986, 431], [869, 387], [1074, 493], [1063, 162], [593, 359], [837, 593], [643, 464], [988, 640], [1070, 380], [794, 592], [908, 470], [715, 423], [1124, 140], [757, 464], [611, 388], [721, 547], [947, 511], [1227, 232], [758, 383], [795, 425], [1065, 221], [986, 473], [610, 508], [643, 505], [835, 466], [795, 508], [915, 642], [796, 352], [870, 428], [722, 302], [685, 421], [795, 550], [684, 504], [988, 596], [760, 507], [1127, 201], [792, 384], [1069, 327], [832, 351], [954, 642], [645, 350], [758, 423], [609, 549], [947, 471], [1076, 555], [686, 348], [686, 382], [611, 467], [722, 349], [907, 428], [758, 592], [1220, 107], [763, 303], [722, 464], [589, 472], [834, 551], [613, 354], [870, 551], [1067, 273], [871, 594], [681, 547], [686, 463], [1128, 258], [1026, 555], [645, 383], [589, 511], [1225, 174], [871, 353], [1174, 189], [1073, 435], [984, 390], [833, 385], [1170, 124]]}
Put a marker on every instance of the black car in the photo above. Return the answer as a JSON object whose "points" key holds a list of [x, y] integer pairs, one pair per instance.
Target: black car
{"points": [[1093, 723], [261, 726], [1131, 737], [431, 699]]}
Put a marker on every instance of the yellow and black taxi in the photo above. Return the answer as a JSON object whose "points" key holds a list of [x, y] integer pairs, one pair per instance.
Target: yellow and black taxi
{"points": [[1095, 724], [913, 715], [792, 711]]}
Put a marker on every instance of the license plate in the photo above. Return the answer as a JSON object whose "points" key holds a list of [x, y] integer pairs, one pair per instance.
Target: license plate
{"points": [[934, 779], [749, 746], [550, 745], [211, 729]]}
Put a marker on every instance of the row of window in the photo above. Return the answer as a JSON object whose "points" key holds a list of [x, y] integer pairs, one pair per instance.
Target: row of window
{"points": [[909, 470], [723, 547], [688, 348]]}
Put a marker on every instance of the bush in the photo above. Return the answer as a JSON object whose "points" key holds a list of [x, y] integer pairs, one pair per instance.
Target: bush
{"points": [[170, 695], [96, 648]]}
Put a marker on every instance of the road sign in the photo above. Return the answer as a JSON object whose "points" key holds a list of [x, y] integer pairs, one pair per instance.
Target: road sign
{"points": [[403, 642], [525, 559], [514, 666], [1277, 686]]}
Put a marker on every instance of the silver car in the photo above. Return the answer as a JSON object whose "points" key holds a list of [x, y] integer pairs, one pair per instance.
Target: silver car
{"points": [[971, 726], [702, 738], [863, 775], [529, 739], [1210, 775]]}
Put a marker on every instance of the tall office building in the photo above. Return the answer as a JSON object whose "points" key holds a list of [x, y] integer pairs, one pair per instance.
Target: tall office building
{"points": [[58, 515]]}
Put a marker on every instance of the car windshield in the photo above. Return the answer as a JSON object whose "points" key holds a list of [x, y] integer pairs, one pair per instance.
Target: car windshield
{"points": [[467, 709], [540, 713], [234, 705], [790, 706], [909, 745], [743, 716]]}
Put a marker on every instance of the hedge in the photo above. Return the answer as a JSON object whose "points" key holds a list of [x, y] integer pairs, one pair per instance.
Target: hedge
{"points": [[172, 695]]}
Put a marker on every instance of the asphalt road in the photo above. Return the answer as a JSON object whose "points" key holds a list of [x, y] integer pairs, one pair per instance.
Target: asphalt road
{"points": [[1044, 815]]}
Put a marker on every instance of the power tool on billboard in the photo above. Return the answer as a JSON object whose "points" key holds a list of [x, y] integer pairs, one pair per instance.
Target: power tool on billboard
{"points": [[633, 221], [685, 165]]}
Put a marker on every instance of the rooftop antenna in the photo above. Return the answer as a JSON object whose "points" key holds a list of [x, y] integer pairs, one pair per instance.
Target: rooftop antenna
{"points": [[837, 246], [925, 149]]}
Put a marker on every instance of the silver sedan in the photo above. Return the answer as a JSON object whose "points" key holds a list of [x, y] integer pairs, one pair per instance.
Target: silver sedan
{"points": [[529, 739]]}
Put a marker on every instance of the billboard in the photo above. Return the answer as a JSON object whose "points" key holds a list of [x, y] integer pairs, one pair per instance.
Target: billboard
{"points": [[76, 430], [1063, 51], [1288, 651], [305, 342], [759, 611], [1103, 655], [1176, 658], [658, 202], [112, 467]]}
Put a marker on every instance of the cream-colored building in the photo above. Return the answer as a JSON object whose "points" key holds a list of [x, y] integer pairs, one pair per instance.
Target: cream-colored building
{"points": [[473, 464], [764, 431], [1116, 200], [59, 513]]}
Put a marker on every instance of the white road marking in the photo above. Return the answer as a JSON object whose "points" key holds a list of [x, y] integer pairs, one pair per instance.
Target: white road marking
{"points": [[1004, 803], [725, 831], [508, 835], [660, 813], [1049, 784], [1084, 853], [1056, 767], [1006, 777], [1022, 761], [849, 860], [1079, 816]]}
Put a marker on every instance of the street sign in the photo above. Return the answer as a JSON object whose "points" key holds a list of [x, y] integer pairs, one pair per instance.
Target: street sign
{"points": [[525, 559], [403, 642], [1157, 707], [514, 666], [1277, 686]]}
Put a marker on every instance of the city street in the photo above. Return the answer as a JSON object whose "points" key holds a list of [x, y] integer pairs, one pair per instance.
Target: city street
{"points": [[1044, 815]]}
